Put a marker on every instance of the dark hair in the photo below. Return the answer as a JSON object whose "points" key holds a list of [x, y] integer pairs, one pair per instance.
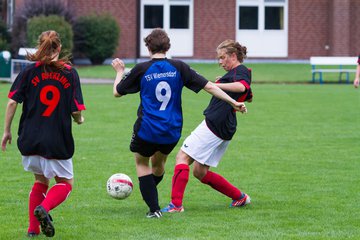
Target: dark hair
{"points": [[157, 41], [231, 47], [48, 44]]}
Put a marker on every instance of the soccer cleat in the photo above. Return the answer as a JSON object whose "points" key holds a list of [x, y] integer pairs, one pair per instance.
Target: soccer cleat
{"points": [[156, 214], [32, 234], [172, 208], [45, 221], [242, 201]]}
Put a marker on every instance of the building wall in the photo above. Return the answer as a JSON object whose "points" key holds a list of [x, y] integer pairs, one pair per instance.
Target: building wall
{"points": [[308, 28], [212, 25], [321, 27], [340, 28], [354, 27]]}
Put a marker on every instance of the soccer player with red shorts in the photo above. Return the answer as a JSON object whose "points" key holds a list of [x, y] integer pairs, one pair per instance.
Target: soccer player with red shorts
{"points": [[50, 92], [208, 142]]}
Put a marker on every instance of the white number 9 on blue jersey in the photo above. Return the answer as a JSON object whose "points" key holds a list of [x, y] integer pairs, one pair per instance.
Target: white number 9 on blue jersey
{"points": [[163, 87]]}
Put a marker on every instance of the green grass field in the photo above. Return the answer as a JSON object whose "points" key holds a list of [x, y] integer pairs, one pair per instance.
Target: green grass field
{"points": [[296, 153]]}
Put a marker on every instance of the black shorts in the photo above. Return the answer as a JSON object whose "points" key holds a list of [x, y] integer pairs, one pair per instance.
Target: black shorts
{"points": [[147, 149]]}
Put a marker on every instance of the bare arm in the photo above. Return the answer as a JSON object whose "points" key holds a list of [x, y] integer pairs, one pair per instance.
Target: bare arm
{"points": [[119, 68], [232, 87], [217, 92], [78, 117], [357, 76], [9, 116]]}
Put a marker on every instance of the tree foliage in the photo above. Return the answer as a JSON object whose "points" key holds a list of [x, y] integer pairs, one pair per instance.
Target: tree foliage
{"points": [[37, 25], [33, 8], [96, 37]]}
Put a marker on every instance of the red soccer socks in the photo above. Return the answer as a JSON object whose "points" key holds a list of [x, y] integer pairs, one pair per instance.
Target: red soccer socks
{"points": [[56, 195], [36, 196], [179, 181], [220, 184]]}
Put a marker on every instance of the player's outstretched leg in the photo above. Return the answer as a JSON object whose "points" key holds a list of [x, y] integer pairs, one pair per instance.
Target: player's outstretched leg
{"points": [[45, 221], [219, 183]]}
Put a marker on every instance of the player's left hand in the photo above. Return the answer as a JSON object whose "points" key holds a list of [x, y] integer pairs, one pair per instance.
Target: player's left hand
{"points": [[80, 120], [240, 107], [118, 65]]}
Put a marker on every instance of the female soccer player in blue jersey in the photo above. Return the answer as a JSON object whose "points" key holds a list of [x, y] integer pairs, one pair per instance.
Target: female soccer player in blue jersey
{"points": [[158, 127], [50, 92], [207, 143]]}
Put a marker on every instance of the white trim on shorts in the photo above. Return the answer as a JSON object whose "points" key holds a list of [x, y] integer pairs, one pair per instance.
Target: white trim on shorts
{"points": [[204, 146], [48, 167]]}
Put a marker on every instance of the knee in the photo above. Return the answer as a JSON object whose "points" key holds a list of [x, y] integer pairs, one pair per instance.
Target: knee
{"points": [[198, 174], [183, 158], [65, 180], [199, 170]]}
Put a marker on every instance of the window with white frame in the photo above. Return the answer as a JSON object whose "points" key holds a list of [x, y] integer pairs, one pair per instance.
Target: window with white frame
{"points": [[262, 27], [175, 17]]}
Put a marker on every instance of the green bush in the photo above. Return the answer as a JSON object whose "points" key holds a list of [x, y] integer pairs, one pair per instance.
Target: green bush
{"points": [[96, 37], [34, 8], [5, 37], [37, 25]]}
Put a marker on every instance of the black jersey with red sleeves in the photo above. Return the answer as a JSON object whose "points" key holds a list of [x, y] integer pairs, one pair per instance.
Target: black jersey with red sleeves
{"points": [[220, 116], [48, 99]]}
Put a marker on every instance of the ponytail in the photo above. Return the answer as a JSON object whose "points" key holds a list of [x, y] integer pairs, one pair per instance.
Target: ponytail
{"points": [[48, 49]]}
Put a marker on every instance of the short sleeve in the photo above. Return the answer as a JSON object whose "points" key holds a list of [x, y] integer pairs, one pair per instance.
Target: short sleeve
{"points": [[18, 88], [130, 83], [244, 76], [77, 103], [192, 80]]}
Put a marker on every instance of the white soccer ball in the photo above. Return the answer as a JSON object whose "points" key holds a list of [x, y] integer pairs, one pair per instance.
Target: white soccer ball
{"points": [[119, 186]]}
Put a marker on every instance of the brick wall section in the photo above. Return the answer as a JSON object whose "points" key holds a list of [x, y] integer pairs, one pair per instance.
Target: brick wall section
{"points": [[308, 28], [340, 25], [214, 21], [354, 28], [125, 13]]}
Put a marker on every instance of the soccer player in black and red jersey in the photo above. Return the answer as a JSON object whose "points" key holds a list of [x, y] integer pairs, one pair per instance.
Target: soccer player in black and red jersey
{"points": [[207, 143], [49, 90], [357, 74]]}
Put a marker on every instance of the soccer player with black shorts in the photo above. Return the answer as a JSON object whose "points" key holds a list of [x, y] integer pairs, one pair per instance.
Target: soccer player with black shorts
{"points": [[158, 127], [208, 142], [50, 92]]}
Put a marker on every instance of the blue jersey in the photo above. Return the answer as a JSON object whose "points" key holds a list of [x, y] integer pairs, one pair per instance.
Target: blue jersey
{"points": [[160, 83]]}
